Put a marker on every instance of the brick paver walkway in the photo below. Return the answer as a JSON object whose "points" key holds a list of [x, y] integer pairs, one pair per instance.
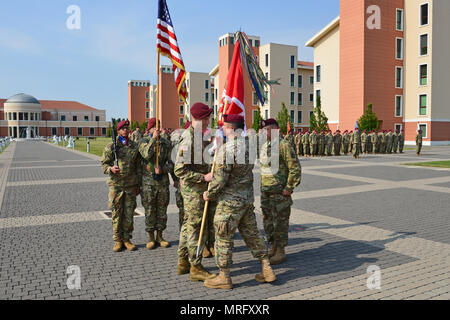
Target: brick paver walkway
{"points": [[348, 215]]}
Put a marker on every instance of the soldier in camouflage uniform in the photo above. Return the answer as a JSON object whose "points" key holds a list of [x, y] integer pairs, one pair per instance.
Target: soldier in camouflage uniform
{"points": [[329, 143], [232, 186], [290, 137], [364, 141], [306, 146], [401, 141], [194, 174], [155, 194], [356, 141], [136, 136], [345, 142], [313, 143], [418, 142], [299, 144], [337, 141], [383, 142], [350, 141], [123, 181], [321, 143], [276, 190], [395, 141], [389, 140]]}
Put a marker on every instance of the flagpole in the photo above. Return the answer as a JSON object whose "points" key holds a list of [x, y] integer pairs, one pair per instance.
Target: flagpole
{"points": [[157, 105]]}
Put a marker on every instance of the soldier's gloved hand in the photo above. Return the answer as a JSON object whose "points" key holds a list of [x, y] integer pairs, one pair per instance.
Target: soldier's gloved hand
{"points": [[115, 169], [204, 196], [208, 177], [286, 193]]}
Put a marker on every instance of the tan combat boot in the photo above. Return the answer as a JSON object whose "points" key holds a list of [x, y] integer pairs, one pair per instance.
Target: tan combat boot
{"points": [[213, 252], [118, 246], [279, 257], [198, 273], [129, 245], [222, 281], [183, 266], [272, 250], [206, 253], [151, 244], [163, 243], [267, 274]]}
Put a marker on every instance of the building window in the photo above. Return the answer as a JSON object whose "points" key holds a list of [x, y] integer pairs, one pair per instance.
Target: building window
{"points": [[187, 83], [311, 97], [97, 118], [423, 74], [63, 118], [292, 116], [92, 131], [266, 113], [398, 106], [399, 25], [398, 77], [292, 62], [318, 93], [32, 116], [424, 14], [86, 118], [254, 115], [292, 80], [318, 73], [300, 99], [147, 105], [310, 114], [424, 44], [103, 131], [206, 84], [207, 97], [147, 115], [300, 81], [66, 131], [267, 59], [147, 95], [257, 43], [255, 99], [299, 117], [53, 131], [181, 122], [80, 131], [423, 127], [251, 42], [398, 128], [231, 40], [311, 80], [9, 115], [182, 109], [74, 118], [423, 104], [292, 98], [399, 48]]}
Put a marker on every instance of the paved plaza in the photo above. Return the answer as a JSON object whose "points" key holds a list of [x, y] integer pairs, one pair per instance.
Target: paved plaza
{"points": [[348, 215]]}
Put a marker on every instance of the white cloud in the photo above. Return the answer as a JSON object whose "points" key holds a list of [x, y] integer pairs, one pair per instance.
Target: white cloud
{"points": [[18, 41]]}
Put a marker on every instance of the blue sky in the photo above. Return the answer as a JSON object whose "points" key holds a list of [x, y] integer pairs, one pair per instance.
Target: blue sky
{"points": [[117, 42]]}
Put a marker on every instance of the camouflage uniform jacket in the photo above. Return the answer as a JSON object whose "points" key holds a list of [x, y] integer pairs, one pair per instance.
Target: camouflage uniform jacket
{"points": [[289, 173], [419, 138], [395, 138], [298, 139], [401, 138], [345, 138], [364, 137], [356, 137], [313, 138], [337, 138], [191, 175], [147, 150], [233, 174], [329, 139], [305, 138], [389, 137], [129, 164]]}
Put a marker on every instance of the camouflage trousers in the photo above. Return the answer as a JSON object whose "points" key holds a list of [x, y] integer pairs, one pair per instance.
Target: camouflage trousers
{"points": [[394, 147], [337, 149], [364, 147], [400, 147], [307, 150], [388, 147], [122, 202], [155, 200], [329, 149], [418, 148], [232, 215], [276, 210], [356, 149], [180, 205], [300, 151], [345, 148], [190, 229]]}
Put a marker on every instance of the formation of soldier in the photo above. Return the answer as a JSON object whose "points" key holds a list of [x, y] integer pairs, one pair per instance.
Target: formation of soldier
{"points": [[317, 144], [144, 164]]}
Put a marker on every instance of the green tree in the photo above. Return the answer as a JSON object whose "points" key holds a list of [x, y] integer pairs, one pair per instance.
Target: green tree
{"points": [[318, 120], [257, 120], [143, 126], [369, 120], [283, 118], [133, 125], [109, 131], [214, 123]]}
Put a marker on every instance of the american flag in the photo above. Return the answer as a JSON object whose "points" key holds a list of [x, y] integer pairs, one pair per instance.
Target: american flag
{"points": [[167, 45]]}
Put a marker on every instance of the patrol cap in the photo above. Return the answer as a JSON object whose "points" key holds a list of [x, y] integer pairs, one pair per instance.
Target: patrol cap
{"points": [[122, 124], [200, 111], [233, 118], [268, 122]]}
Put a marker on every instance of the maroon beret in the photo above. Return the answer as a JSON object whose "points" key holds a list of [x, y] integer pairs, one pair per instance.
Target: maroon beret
{"points": [[123, 124], [187, 125], [268, 122], [151, 123], [200, 111], [233, 118]]}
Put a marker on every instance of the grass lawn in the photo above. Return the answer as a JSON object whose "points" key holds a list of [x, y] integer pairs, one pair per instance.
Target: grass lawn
{"points": [[436, 164], [96, 146]]}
